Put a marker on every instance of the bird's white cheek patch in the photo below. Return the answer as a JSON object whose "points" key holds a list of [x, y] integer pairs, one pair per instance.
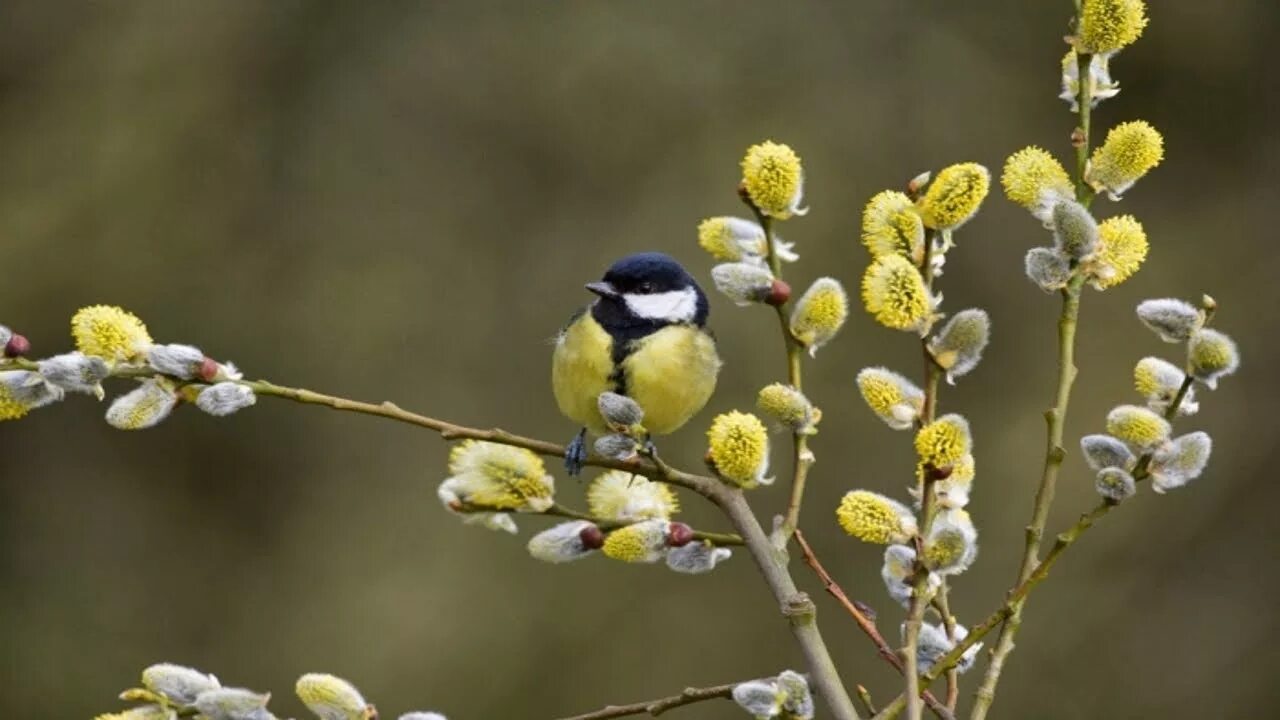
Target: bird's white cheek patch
{"points": [[673, 306]]}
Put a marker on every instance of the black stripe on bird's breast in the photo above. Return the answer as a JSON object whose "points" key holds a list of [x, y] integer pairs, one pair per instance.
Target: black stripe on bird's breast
{"points": [[625, 341]]}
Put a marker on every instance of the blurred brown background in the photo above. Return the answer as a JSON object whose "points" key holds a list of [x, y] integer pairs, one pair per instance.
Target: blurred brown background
{"points": [[402, 201]]}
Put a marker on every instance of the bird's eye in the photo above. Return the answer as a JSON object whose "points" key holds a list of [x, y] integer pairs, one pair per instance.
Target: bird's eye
{"points": [[644, 288]]}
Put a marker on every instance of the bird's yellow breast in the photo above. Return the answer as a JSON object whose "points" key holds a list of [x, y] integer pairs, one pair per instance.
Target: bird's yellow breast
{"points": [[671, 373]]}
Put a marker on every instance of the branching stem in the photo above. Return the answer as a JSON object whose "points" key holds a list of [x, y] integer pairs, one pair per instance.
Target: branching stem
{"points": [[656, 707]]}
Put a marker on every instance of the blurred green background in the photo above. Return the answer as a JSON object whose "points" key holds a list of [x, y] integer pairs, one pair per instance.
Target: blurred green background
{"points": [[402, 200]]}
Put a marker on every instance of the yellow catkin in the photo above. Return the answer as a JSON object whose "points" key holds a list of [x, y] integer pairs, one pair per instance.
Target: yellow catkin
{"points": [[110, 333], [954, 195], [773, 178], [894, 292]]}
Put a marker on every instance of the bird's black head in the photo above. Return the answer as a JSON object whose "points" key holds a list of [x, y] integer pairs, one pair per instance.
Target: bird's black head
{"points": [[648, 289]]}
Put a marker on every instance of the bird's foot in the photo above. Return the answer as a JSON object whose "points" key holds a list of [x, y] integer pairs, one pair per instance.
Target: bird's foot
{"points": [[575, 453]]}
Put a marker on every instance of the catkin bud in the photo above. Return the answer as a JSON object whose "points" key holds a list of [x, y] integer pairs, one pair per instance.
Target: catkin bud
{"points": [[891, 396], [562, 543], [619, 411], [1104, 451], [891, 225], [1122, 246], [225, 398], [1211, 355], [1173, 320], [616, 446], [1159, 382], [739, 449], [774, 180], [625, 497], [1130, 151], [180, 685], [696, 558], [732, 239], [957, 349], [643, 542], [1049, 268], [944, 442], [952, 543], [933, 643], [789, 407], [898, 569], [954, 195], [819, 314], [1179, 462], [894, 292], [331, 698], [233, 704], [1075, 232], [422, 716], [179, 361], [798, 701], [874, 518], [144, 407], [1141, 429], [76, 372], [760, 698], [1035, 180], [1115, 484], [743, 283], [1109, 25]]}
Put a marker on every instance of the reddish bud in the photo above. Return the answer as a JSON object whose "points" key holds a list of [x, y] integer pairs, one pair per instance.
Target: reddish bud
{"points": [[592, 537], [934, 474], [17, 346], [207, 370], [779, 293], [679, 535]]}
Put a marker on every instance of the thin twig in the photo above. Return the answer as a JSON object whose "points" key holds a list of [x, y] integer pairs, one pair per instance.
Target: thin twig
{"points": [[865, 622], [801, 457], [656, 707], [932, 382]]}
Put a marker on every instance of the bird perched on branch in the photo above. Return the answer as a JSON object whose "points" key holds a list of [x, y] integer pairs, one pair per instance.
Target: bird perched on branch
{"points": [[644, 337]]}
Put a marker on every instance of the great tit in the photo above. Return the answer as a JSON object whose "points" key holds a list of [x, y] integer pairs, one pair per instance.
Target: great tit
{"points": [[644, 337]]}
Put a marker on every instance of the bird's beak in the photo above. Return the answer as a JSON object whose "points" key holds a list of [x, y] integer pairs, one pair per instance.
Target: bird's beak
{"points": [[603, 289]]}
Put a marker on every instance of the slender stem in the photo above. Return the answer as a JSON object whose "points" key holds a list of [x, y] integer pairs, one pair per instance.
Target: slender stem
{"points": [[865, 621], [920, 598], [1084, 192], [802, 458], [656, 707], [864, 697], [932, 378], [702, 485], [1016, 596], [795, 605], [1054, 455]]}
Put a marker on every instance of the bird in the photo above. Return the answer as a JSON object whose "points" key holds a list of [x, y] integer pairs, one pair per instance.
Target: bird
{"points": [[645, 337]]}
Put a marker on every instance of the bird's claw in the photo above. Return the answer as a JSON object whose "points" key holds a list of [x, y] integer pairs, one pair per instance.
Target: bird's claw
{"points": [[575, 454]]}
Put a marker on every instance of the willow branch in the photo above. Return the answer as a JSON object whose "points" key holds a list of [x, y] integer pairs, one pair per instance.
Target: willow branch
{"points": [[795, 605], [801, 458], [864, 621], [932, 378], [1054, 453], [656, 707], [1064, 540]]}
